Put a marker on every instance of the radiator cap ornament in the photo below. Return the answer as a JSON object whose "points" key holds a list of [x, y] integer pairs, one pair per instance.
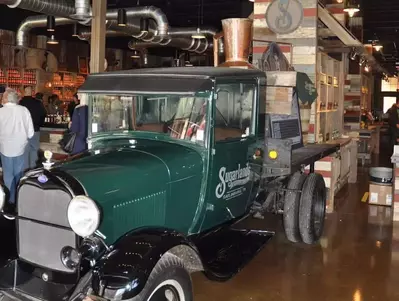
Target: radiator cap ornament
{"points": [[47, 164], [42, 178]]}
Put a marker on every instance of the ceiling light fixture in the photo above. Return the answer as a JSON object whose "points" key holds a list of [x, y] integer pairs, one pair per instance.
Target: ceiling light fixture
{"points": [[378, 47], [351, 9], [75, 30], [50, 23], [340, 1], [122, 17], [251, 0], [135, 55], [362, 61], [198, 34], [367, 68], [353, 54], [52, 40], [144, 25]]}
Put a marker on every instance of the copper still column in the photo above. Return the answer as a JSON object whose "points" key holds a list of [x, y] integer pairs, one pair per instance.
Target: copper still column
{"points": [[237, 33]]}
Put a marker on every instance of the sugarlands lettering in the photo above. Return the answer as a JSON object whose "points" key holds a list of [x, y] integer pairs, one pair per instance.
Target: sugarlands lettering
{"points": [[231, 179]]}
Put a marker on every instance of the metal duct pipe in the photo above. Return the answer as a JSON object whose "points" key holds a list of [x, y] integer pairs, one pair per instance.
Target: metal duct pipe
{"points": [[189, 31], [161, 28], [85, 35], [60, 8], [83, 10], [33, 22], [189, 44], [150, 12]]}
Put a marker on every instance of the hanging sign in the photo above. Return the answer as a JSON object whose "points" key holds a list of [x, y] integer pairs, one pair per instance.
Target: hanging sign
{"points": [[284, 16]]}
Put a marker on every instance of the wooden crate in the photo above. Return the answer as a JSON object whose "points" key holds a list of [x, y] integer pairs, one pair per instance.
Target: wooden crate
{"points": [[279, 100]]}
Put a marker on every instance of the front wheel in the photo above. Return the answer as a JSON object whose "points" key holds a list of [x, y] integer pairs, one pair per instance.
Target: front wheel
{"points": [[169, 281]]}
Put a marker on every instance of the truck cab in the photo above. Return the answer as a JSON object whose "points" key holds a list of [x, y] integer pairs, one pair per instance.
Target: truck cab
{"points": [[176, 158]]}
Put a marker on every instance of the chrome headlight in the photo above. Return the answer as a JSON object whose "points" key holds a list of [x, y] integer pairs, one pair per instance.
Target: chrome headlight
{"points": [[83, 216], [2, 197]]}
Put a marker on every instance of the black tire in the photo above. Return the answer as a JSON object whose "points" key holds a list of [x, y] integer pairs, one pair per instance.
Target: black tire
{"points": [[291, 207], [312, 210], [168, 276]]}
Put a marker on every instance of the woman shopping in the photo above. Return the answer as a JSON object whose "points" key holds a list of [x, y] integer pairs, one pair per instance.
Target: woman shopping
{"points": [[79, 127]]}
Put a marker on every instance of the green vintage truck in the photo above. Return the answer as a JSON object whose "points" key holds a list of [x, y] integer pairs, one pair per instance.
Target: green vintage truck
{"points": [[177, 157]]}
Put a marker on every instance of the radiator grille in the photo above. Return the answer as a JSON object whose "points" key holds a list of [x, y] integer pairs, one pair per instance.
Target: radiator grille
{"points": [[42, 244], [46, 205]]}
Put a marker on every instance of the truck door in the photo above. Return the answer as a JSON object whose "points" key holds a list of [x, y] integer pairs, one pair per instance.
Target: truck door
{"points": [[233, 137]]}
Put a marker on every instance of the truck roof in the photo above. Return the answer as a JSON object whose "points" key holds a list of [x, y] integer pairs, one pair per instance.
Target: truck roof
{"points": [[181, 80]]}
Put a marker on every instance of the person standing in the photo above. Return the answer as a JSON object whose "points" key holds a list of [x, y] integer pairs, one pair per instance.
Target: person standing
{"points": [[79, 126], [16, 127], [72, 105], [38, 113]]}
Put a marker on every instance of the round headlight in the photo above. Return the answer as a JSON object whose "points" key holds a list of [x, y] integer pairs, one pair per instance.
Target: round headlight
{"points": [[2, 197], [83, 216]]}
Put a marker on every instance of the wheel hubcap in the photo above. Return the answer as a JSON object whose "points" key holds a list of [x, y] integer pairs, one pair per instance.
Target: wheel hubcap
{"points": [[166, 293]]}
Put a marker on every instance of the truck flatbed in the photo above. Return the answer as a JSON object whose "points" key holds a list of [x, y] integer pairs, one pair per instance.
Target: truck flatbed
{"points": [[309, 154]]}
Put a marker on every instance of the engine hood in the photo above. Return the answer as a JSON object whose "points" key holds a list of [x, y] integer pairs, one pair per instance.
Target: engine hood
{"points": [[144, 167]]}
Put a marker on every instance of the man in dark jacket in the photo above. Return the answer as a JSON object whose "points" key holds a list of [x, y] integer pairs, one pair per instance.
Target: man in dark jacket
{"points": [[393, 121], [38, 113], [72, 105]]}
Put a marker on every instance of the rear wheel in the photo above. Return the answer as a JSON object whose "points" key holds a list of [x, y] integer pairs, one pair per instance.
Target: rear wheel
{"points": [[291, 207], [312, 208]]}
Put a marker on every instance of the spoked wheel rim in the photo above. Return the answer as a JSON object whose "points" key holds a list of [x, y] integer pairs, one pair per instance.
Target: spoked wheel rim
{"points": [[169, 290], [319, 208]]}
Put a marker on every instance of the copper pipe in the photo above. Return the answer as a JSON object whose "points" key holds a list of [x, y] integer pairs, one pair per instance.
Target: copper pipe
{"points": [[216, 39]]}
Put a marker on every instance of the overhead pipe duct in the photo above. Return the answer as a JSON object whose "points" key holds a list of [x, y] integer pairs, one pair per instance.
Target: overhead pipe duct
{"points": [[60, 8], [34, 22], [150, 12], [133, 28], [82, 10], [189, 31], [161, 28]]}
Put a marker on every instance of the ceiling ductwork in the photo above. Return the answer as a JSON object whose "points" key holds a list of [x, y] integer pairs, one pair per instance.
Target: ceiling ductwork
{"points": [[133, 29], [149, 12], [60, 8], [67, 9], [68, 12], [189, 31], [82, 10], [34, 22]]}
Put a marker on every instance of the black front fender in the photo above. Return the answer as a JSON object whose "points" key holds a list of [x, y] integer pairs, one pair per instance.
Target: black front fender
{"points": [[123, 272]]}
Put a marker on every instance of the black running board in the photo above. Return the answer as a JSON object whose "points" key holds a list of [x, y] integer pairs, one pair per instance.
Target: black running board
{"points": [[226, 251]]}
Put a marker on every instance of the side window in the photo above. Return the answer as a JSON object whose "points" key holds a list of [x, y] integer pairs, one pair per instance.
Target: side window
{"points": [[233, 116]]}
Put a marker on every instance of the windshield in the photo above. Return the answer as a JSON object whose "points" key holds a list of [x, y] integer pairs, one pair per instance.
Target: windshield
{"points": [[180, 117]]}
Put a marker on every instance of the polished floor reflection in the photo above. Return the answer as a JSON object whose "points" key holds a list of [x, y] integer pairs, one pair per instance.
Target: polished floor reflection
{"points": [[357, 260]]}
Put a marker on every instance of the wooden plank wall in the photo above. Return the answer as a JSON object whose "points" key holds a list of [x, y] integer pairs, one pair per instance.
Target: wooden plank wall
{"points": [[304, 39]]}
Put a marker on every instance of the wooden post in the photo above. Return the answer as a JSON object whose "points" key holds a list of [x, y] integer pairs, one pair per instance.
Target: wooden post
{"points": [[97, 46]]}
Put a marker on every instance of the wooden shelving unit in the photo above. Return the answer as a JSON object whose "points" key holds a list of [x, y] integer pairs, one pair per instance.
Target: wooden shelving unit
{"points": [[21, 79], [358, 94], [66, 84], [330, 100]]}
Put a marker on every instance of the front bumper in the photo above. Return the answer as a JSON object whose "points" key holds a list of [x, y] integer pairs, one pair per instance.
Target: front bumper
{"points": [[21, 281]]}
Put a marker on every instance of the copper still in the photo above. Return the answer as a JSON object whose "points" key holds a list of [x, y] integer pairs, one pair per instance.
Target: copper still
{"points": [[237, 34]]}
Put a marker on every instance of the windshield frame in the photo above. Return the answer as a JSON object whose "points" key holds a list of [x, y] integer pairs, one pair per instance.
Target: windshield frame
{"points": [[118, 134]]}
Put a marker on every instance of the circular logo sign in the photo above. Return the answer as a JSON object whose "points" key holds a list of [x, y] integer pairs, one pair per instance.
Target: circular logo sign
{"points": [[284, 16]]}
